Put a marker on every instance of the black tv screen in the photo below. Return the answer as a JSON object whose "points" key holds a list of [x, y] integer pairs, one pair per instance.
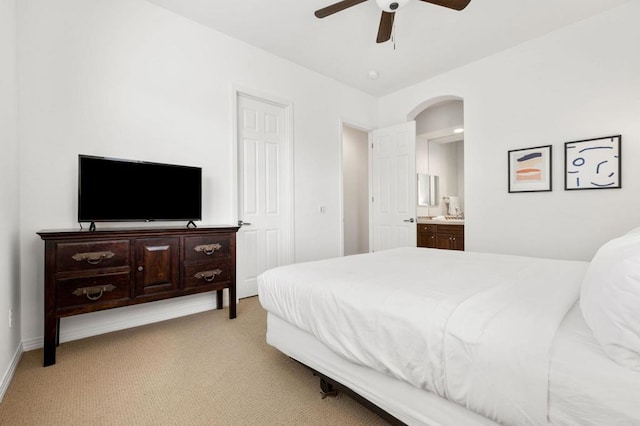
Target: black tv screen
{"points": [[112, 190]]}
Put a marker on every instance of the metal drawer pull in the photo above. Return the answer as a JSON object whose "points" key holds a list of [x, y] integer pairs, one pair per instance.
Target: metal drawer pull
{"points": [[94, 293], [208, 275], [93, 257], [207, 249]]}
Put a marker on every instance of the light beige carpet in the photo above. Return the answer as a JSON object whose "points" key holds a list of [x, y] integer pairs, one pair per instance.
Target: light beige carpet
{"points": [[203, 369]]}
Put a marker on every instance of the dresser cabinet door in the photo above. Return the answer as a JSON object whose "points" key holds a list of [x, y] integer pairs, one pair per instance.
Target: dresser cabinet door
{"points": [[458, 242], [450, 237], [443, 241], [427, 235], [156, 265]]}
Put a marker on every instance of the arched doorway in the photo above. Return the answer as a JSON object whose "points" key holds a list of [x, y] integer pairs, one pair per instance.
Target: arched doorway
{"points": [[440, 154]]}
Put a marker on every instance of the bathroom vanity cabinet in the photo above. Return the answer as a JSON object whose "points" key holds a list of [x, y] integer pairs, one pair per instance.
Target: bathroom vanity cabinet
{"points": [[441, 236]]}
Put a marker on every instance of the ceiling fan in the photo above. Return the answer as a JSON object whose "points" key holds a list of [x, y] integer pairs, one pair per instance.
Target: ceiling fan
{"points": [[389, 8]]}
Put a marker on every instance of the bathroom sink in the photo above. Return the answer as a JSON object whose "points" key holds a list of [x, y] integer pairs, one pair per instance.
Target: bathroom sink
{"points": [[449, 218], [441, 219]]}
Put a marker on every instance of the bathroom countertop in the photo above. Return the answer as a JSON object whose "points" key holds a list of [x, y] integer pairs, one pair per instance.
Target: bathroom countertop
{"points": [[440, 220]]}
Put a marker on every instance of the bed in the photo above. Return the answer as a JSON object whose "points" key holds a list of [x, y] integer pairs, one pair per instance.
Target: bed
{"points": [[443, 337]]}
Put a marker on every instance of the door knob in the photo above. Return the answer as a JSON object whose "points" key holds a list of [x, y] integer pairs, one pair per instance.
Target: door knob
{"points": [[409, 220], [242, 223]]}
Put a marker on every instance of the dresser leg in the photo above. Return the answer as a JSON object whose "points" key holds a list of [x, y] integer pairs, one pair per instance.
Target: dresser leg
{"points": [[232, 301], [51, 326], [219, 299]]}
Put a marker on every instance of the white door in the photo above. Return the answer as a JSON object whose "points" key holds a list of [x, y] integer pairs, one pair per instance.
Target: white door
{"points": [[264, 241], [393, 187]]}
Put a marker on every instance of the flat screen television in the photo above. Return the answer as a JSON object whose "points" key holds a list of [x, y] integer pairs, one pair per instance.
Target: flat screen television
{"points": [[118, 190]]}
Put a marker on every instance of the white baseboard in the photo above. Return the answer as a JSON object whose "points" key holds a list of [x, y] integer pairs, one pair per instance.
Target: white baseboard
{"points": [[6, 379], [96, 323]]}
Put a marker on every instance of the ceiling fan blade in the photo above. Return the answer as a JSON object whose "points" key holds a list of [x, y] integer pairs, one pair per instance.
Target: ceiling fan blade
{"points": [[451, 4], [336, 7], [386, 25]]}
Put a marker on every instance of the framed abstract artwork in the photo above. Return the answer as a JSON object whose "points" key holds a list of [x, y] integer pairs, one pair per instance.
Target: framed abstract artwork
{"points": [[530, 169], [593, 163]]}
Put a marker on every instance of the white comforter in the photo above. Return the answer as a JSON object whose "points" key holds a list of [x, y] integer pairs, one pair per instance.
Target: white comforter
{"points": [[474, 328]]}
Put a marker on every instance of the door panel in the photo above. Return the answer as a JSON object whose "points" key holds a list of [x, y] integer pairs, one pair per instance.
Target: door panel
{"points": [[262, 176], [393, 187]]}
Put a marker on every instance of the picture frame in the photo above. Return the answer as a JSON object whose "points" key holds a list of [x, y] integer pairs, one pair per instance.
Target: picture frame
{"points": [[530, 169], [593, 163]]}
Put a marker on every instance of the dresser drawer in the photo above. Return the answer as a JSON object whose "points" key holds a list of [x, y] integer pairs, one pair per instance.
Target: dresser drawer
{"points": [[80, 256], [207, 273], [93, 290], [207, 247], [451, 229], [430, 229]]}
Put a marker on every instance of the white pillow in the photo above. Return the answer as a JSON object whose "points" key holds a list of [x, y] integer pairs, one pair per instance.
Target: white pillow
{"points": [[610, 298]]}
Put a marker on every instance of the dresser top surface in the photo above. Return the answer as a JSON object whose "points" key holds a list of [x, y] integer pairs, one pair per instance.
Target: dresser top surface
{"points": [[143, 231]]}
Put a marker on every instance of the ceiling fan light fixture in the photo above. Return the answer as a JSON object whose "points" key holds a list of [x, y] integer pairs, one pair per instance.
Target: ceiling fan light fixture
{"points": [[388, 7], [391, 5]]}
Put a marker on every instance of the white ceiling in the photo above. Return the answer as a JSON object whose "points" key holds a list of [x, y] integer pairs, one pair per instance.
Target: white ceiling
{"points": [[429, 39]]}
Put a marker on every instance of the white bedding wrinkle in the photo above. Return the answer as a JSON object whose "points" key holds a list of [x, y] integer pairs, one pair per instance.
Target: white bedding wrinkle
{"points": [[472, 327]]}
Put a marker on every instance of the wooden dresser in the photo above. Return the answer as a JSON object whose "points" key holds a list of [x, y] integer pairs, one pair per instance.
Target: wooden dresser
{"points": [[87, 271], [441, 236]]}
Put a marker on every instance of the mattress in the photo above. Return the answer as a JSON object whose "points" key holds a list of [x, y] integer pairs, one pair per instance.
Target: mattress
{"points": [[413, 406], [586, 388], [469, 327]]}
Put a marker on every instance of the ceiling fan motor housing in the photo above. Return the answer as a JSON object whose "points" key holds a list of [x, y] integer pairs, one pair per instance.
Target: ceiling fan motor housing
{"points": [[391, 5]]}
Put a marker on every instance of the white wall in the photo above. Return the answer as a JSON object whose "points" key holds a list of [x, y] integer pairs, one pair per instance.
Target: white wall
{"points": [[579, 82], [443, 116], [128, 79], [9, 199], [355, 175]]}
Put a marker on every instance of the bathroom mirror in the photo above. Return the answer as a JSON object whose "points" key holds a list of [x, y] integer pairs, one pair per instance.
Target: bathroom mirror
{"points": [[427, 190]]}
